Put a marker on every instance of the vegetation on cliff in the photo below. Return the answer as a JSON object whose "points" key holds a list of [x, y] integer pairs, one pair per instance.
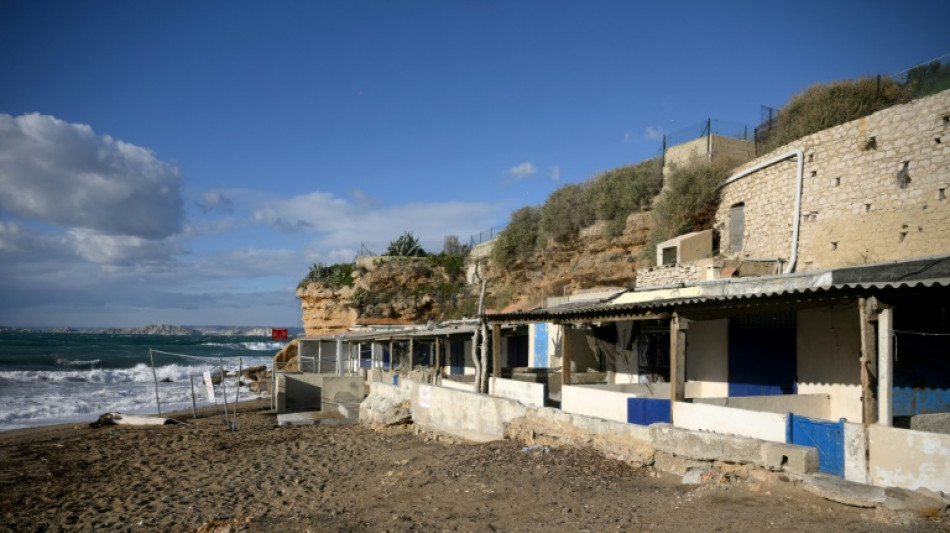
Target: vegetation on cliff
{"points": [[826, 105], [610, 196]]}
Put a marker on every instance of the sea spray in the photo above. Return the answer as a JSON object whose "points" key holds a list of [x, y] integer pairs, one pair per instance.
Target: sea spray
{"points": [[57, 378]]}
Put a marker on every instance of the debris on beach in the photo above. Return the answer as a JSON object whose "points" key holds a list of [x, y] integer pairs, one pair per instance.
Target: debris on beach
{"points": [[119, 419]]}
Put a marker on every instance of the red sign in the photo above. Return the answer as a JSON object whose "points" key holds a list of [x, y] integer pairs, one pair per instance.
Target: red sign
{"points": [[278, 334]]}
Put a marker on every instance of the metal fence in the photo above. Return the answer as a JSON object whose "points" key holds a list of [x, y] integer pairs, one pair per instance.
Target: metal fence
{"points": [[924, 79]]}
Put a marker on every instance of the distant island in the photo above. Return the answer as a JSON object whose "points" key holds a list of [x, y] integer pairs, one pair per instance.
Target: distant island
{"points": [[160, 329]]}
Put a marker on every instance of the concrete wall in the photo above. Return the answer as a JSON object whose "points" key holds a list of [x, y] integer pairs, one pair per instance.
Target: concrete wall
{"points": [[608, 401], [730, 421], [707, 358], [828, 350], [458, 385], [532, 394], [467, 415], [909, 459], [689, 247], [810, 405], [311, 391], [853, 209]]}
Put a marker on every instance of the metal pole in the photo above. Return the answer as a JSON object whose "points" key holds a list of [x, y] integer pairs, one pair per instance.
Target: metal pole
{"points": [[237, 392], [194, 405], [158, 403], [224, 394]]}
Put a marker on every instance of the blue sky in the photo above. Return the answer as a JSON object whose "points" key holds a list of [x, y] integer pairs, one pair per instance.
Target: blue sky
{"points": [[185, 162]]}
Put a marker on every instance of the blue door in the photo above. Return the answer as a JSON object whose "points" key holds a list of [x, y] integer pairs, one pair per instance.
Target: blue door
{"points": [[457, 358], [826, 436], [762, 359], [540, 345]]}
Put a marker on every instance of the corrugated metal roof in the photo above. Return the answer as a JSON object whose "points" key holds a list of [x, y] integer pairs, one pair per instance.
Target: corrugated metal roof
{"points": [[898, 275]]}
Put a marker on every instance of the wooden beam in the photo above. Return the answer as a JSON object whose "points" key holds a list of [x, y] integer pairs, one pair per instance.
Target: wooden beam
{"points": [[565, 356], [678, 326], [867, 314], [496, 350]]}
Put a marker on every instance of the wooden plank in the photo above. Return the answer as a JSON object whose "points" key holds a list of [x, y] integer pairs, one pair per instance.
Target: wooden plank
{"points": [[496, 350], [678, 326], [565, 356], [867, 314]]}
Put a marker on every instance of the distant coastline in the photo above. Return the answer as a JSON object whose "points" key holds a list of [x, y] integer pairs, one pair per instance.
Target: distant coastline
{"points": [[159, 329]]}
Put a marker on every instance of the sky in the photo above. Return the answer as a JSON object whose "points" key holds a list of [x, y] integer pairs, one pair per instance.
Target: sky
{"points": [[186, 162]]}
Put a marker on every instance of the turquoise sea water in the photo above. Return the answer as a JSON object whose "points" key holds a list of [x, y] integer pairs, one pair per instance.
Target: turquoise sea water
{"points": [[51, 378]]}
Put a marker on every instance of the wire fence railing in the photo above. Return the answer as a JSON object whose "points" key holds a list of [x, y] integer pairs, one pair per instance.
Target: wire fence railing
{"points": [[920, 80]]}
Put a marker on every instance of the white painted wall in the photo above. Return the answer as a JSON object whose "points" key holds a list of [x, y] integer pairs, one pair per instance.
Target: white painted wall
{"points": [[810, 405], [532, 394], [828, 341], [590, 401], [707, 358], [909, 459], [608, 401], [731, 421]]}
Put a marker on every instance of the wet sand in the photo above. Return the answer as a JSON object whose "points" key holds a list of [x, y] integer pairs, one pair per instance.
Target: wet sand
{"points": [[202, 477]]}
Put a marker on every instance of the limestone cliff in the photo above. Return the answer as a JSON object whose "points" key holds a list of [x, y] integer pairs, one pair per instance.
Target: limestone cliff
{"points": [[591, 260], [421, 289], [412, 289]]}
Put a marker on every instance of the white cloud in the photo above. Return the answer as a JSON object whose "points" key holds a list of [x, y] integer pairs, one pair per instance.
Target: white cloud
{"points": [[653, 134], [120, 250], [64, 174], [555, 173], [340, 225], [215, 201], [522, 171]]}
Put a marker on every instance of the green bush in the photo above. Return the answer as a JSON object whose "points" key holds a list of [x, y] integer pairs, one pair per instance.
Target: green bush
{"points": [[519, 238], [688, 204], [621, 191], [332, 276], [566, 211], [824, 106]]}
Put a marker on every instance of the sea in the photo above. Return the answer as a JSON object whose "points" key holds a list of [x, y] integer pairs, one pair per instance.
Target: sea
{"points": [[56, 378]]}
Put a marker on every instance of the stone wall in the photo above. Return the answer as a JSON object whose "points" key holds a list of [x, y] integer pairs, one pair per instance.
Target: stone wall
{"points": [[715, 148], [667, 275], [875, 189]]}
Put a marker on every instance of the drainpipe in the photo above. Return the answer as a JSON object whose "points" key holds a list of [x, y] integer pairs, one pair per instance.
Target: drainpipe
{"points": [[797, 214]]}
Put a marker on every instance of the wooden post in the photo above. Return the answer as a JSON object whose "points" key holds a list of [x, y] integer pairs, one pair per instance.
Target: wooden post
{"points": [[392, 356], [885, 367], [678, 326], [319, 357], [437, 364], [496, 350], [565, 357], [194, 404], [410, 353], [867, 313]]}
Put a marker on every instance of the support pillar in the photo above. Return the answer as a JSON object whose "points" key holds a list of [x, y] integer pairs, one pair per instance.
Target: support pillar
{"points": [[867, 312], [437, 363], [339, 356], [885, 367], [410, 353], [496, 350], [565, 356], [319, 356], [678, 326]]}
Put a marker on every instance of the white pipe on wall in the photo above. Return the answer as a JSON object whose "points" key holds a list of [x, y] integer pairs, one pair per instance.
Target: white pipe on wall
{"points": [[797, 211]]}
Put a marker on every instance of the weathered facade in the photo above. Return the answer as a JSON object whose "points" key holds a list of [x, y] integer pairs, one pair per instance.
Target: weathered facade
{"points": [[872, 190]]}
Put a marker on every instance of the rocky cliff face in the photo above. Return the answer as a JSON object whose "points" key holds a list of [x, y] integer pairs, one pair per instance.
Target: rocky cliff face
{"points": [[591, 260], [419, 289], [400, 288]]}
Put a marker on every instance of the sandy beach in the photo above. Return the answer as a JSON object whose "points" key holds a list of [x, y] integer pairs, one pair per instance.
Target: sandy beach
{"points": [[202, 477]]}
